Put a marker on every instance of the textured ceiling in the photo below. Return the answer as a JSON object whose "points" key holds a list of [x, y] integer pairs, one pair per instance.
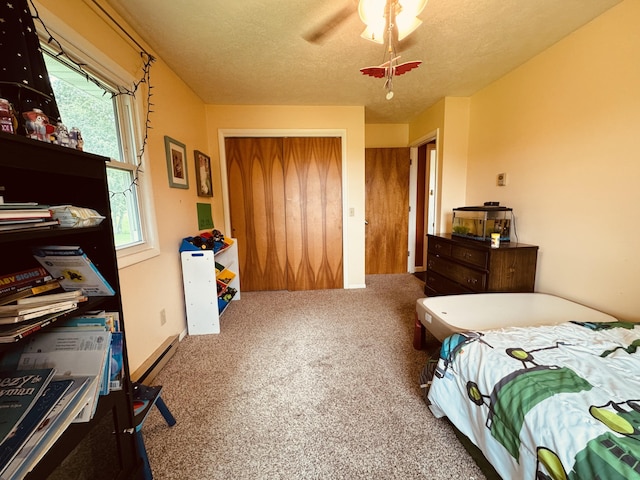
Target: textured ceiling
{"points": [[253, 52]]}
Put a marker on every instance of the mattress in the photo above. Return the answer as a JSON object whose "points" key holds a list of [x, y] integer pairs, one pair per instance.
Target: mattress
{"points": [[445, 315]]}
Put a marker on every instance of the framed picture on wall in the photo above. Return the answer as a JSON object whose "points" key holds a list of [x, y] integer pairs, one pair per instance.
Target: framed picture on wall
{"points": [[176, 163], [203, 174]]}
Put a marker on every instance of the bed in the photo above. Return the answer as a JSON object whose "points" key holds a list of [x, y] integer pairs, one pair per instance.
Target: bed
{"points": [[554, 402]]}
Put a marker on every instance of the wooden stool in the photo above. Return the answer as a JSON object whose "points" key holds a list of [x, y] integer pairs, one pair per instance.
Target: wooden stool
{"points": [[145, 397]]}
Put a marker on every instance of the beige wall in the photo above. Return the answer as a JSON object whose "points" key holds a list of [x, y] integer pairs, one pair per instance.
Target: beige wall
{"points": [[386, 135], [154, 284], [277, 120], [564, 127]]}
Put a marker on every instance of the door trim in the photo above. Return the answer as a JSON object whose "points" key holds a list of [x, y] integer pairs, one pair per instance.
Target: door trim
{"points": [[413, 193], [224, 133]]}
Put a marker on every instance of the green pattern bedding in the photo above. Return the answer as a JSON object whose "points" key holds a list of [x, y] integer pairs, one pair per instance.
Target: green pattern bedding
{"points": [[548, 402]]}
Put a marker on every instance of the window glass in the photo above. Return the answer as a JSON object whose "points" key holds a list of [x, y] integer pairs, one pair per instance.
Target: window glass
{"points": [[98, 114]]}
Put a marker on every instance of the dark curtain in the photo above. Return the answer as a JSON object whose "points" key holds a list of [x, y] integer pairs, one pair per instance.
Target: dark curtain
{"points": [[23, 75]]}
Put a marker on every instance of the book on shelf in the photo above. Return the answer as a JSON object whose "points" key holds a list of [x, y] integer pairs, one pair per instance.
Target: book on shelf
{"points": [[92, 320], [50, 298], [75, 266], [101, 321], [70, 352], [24, 213], [10, 314], [117, 347], [49, 430], [15, 332], [22, 206], [10, 282], [34, 417], [19, 391], [7, 227], [38, 288]]}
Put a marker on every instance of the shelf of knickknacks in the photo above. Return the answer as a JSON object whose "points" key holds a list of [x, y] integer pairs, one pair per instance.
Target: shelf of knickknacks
{"points": [[37, 127]]}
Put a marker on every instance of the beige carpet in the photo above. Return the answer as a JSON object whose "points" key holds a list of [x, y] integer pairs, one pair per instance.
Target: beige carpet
{"points": [[305, 385]]}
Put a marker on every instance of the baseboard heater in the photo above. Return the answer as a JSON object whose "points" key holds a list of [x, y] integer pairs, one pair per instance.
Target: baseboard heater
{"points": [[146, 373]]}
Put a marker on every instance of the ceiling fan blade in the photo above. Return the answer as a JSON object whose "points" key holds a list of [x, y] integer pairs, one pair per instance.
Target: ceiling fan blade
{"points": [[318, 34]]}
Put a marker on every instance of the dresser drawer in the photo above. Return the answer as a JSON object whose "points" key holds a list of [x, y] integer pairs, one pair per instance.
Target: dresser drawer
{"points": [[472, 279], [443, 286], [470, 255], [439, 247]]}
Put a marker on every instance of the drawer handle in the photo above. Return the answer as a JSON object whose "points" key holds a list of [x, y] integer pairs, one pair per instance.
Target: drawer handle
{"points": [[466, 255], [472, 281], [438, 246]]}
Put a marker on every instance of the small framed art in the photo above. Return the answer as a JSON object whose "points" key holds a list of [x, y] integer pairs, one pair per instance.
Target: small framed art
{"points": [[203, 174], [176, 163]]}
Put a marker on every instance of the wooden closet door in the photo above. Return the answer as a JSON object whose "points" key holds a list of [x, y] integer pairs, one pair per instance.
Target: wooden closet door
{"points": [[256, 195], [386, 209], [313, 189]]}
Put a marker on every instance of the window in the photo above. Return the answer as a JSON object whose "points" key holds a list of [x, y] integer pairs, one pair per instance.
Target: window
{"points": [[107, 126]]}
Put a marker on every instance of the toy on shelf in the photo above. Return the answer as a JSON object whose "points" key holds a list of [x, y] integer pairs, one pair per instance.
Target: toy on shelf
{"points": [[214, 240]]}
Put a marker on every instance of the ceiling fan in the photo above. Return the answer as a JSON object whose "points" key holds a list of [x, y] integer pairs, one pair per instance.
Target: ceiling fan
{"points": [[386, 20], [390, 68], [375, 15]]}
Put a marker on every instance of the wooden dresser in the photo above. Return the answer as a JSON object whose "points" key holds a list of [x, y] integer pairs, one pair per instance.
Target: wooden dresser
{"points": [[457, 265]]}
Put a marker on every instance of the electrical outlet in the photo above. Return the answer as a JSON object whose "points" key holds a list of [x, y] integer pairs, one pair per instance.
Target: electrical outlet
{"points": [[163, 317]]}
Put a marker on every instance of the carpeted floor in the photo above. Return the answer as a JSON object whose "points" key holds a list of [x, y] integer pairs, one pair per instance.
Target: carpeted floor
{"points": [[305, 385]]}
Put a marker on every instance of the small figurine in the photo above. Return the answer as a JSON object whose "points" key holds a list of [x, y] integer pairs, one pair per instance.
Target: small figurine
{"points": [[75, 139], [6, 117], [61, 135], [37, 125]]}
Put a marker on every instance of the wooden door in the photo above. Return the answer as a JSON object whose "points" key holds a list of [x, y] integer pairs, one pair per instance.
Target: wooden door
{"points": [[256, 185], [313, 190], [386, 209], [285, 200]]}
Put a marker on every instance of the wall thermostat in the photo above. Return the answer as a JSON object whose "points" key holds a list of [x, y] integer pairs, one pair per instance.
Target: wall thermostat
{"points": [[501, 179]]}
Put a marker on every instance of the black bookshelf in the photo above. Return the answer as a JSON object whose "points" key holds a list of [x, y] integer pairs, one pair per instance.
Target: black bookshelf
{"points": [[32, 171]]}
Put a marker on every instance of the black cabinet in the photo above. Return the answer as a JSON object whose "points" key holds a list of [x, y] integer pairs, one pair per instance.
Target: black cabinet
{"points": [[32, 171]]}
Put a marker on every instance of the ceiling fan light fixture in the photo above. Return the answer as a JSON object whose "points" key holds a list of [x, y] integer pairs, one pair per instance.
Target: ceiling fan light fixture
{"points": [[373, 14], [373, 34]]}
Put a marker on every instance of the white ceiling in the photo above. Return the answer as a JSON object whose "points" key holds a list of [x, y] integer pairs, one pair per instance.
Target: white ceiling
{"points": [[253, 52]]}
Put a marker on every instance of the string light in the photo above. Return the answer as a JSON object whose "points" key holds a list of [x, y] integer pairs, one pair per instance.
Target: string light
{"points": [[147, 59]]}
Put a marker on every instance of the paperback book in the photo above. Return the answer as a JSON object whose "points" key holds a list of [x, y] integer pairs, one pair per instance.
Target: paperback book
{"points": [[15, 332], [71, 352], [49, 430], [19, 313], [27, 427], [19, 391], [11, 282], [75, 266]]}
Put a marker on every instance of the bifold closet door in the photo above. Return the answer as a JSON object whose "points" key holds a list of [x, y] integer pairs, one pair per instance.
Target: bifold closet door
{"points": [[256, 196], [313, 190], [285, 199]]}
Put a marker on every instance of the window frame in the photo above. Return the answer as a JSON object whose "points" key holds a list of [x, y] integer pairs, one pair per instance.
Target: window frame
{"points": [[129, 109]]}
